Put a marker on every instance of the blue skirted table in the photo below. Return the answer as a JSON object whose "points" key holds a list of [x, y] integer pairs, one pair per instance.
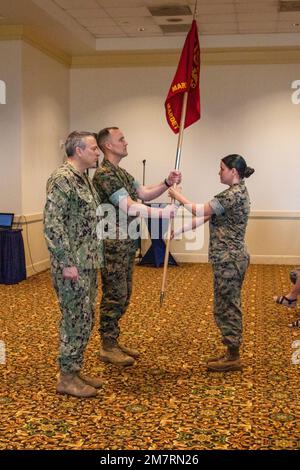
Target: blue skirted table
{"points": [[156, 254], [12, 257]]}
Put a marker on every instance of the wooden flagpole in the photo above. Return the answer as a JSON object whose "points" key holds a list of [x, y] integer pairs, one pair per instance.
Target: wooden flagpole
{"points": [[177, 165], [171, 223]]}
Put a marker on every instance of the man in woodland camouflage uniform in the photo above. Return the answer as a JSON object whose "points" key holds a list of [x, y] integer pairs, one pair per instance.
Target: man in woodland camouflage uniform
{"points": [[75, 252], [118, 189]]}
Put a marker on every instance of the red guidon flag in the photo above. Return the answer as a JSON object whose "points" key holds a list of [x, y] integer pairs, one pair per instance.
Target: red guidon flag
{"points": [[186, 79]]}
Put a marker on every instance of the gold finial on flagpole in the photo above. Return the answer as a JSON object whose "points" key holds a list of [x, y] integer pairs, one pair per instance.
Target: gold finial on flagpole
{"points": [[195, 10]]}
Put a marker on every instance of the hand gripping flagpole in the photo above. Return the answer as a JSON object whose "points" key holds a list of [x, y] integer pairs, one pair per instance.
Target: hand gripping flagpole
{"points": [[177, 166]]}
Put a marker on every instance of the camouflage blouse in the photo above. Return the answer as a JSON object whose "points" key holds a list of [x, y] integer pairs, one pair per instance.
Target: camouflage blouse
{"points": [[70, 220], [228, 224], [112, 184]]}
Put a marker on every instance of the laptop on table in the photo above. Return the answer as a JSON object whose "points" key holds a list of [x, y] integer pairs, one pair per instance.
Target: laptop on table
{"points": [[6, 220]]}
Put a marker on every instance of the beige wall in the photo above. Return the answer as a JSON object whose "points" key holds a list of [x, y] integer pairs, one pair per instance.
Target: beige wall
{"points": [[268, 239], [33, 122], [45, 123], [246, 109], [10, 127], [36, 253], [268, 234], [271, 238]]}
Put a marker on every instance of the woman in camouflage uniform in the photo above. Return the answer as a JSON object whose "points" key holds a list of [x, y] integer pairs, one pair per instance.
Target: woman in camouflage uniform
{"points": [[228, 215]]}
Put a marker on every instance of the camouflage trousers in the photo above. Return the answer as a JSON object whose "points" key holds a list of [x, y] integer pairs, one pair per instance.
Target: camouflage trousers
{"points": [[116, 284], [228, 281], [77, 305]]}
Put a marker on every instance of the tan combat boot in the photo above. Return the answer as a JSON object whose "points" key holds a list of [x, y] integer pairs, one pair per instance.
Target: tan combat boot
{"points": [[70, 384], [110, 352], [96, 382], [230, 362], [216, 358], [130, 352]]}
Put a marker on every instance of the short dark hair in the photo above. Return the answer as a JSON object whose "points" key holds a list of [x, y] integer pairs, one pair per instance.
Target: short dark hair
{"points": [[103, 135], [76, 139], [239, 163]]}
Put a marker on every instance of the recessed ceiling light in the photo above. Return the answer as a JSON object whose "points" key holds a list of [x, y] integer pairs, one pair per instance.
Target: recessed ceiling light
{"points": [[174, 20]]}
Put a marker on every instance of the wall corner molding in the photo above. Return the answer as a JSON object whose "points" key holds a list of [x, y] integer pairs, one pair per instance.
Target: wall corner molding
{"points": [[209, 56], [27, 35]]}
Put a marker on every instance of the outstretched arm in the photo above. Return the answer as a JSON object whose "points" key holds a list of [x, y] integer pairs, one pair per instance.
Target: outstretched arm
{"points": [[136, 209], [190, 225], [198, 210], [147, 193]]}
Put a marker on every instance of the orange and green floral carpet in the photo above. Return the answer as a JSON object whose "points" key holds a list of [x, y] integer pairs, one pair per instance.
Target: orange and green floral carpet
{"points": [[167, 400]]}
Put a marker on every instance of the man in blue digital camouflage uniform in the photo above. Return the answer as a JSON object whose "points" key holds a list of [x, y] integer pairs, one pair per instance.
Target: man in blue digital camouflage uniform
{"points": [[76, 253]]}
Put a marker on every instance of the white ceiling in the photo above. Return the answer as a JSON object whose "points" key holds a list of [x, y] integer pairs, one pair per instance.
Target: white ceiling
{"points": [[77, 26], [125, 18]]}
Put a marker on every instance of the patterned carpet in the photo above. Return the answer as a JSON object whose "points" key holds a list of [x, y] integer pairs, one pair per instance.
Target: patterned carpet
{"points": [[167, 400]]}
